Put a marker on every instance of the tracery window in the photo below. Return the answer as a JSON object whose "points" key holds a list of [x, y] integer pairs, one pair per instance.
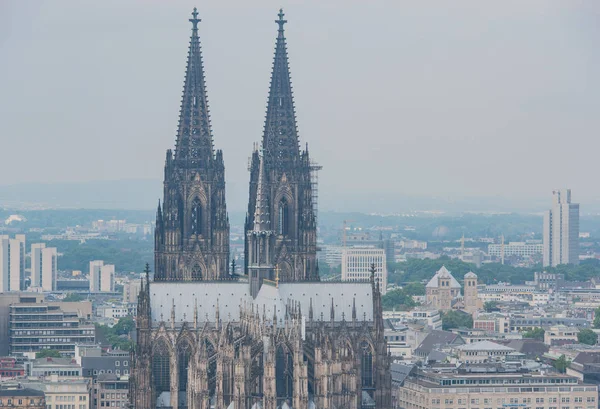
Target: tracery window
{"points": [[284, 372], [196, 217], [183, 357], [196, 272], [160, 368], [283, 217], [366, 365]]}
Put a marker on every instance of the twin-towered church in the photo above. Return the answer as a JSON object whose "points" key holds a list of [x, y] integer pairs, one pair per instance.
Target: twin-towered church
{"points": [[274, 336]]}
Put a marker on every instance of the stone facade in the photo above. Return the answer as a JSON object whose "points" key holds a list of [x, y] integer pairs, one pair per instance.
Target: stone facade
{"points": [[192, 227], [441, 290], [281, 227], [277, 338]]}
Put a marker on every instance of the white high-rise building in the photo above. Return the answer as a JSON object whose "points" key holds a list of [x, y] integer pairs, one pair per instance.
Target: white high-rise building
{"points": [[17, 263], [357, 261], [36, 264], [49, 268], [4, 263], [102, 277], [12, 263], [561, 230]]}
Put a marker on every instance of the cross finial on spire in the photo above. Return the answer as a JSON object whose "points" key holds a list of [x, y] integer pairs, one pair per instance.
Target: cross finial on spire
{"points": [[195, 20], [281, 21]]}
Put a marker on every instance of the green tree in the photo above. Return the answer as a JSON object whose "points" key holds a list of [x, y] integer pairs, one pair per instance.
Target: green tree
{"points": [[397, 299], [587, 336], [561, 364], [48, 353], [456, 319], [491, 306], [414, 289], [124, 326], [597, 318], [73, 297], [536, 333]]}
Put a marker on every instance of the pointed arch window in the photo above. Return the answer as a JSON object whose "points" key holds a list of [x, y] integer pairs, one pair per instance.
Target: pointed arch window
{"points": [[284, 371], [183, 357], [196, 272], [284, 216], [366, 364], [196, 217], [211, 356], [161, 370]]}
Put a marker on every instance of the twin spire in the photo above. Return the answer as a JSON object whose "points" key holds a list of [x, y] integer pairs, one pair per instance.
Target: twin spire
{"points": [[194, 143], [281, 146]]}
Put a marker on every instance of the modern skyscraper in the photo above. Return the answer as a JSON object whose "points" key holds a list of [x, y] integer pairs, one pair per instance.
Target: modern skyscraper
{"points": [[49, 268], [102, 277], [36, 264], [4, 264], [12, 263], [561, 230], [17, 267], [21, 238]]}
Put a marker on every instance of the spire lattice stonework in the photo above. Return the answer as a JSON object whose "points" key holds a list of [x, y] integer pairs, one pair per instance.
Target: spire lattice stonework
{"points": [[194, 145], [280, 139]]}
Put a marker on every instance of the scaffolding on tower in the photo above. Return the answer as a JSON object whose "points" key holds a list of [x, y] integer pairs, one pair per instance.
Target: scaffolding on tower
{"points": [[314, 186]]}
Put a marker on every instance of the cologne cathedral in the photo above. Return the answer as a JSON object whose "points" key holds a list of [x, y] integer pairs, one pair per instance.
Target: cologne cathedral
{"points": [[274, 337]]}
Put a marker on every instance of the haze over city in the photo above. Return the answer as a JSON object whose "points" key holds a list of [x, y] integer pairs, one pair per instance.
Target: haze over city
{"points": [[457, 100]]}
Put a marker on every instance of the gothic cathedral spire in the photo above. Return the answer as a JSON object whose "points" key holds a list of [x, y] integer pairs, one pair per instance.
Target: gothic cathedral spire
{"points": [[280, 139], [194, 144], [280, 201], [192, 230]]}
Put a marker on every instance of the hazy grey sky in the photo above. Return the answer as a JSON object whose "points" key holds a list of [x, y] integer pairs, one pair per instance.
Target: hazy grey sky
{"points": [[444, 98]]}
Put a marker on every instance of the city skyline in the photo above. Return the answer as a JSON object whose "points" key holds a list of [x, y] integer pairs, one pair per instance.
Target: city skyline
{"points": [[399, 49]]}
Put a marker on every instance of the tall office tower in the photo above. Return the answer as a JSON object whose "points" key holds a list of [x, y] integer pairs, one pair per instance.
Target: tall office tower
{"points": [[95, 269], [16, 251], [107, 278], [22, 253], [49, 268], [102, 277], [561, 230], [12, 263], [36, 264], [4, 264]]}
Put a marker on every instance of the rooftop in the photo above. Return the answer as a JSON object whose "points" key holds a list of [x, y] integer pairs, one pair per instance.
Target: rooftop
{"points": [[443, 273], [484, 346]]}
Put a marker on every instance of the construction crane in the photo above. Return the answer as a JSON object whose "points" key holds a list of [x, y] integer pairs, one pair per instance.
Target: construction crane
{"points": [[344, 232]]}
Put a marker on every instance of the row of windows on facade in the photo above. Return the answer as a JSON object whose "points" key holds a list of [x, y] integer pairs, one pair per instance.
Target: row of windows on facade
{"points": [[66, 398], [20, 402], [44, 340], [113, 396], [489, 401], [117, 404], [67, 406], [52, 332], [117, 371]]}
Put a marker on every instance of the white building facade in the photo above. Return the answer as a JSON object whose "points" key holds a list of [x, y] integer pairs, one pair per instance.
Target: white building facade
{"points": [[561, 230], [102, 277], [12, 263], [357, 261], [516, 248]]}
